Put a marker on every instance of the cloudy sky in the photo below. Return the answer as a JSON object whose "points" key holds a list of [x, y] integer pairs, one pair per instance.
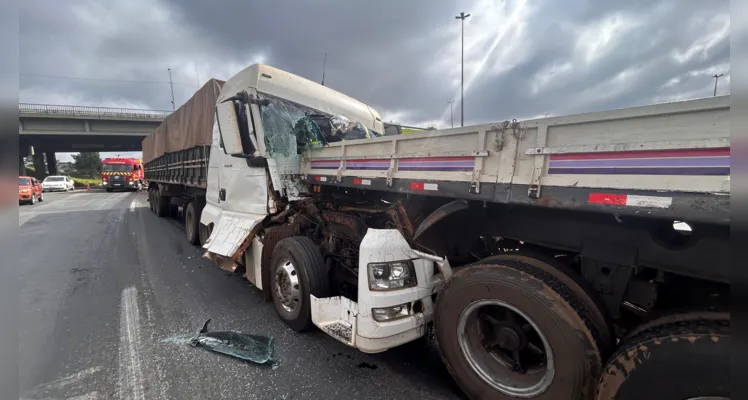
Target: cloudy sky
{"points": [[523, 58]]}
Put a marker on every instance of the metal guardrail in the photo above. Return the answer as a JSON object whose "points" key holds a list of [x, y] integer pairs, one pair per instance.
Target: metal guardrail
{"points": [[87, 111]]}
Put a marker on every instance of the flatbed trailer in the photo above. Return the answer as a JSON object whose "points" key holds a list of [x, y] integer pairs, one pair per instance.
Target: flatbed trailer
{"points": [[548, 256]]}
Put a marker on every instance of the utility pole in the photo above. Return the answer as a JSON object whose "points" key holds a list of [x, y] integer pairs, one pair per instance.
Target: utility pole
{"points": [[451, 115], [324, 65], [171, 84], [716, 79], [462, 17]]}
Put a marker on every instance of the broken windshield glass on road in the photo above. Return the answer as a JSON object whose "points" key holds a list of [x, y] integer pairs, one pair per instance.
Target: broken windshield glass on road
{"points": [[254, 348]]}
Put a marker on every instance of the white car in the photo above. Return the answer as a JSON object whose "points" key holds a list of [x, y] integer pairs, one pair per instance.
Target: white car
{"points": [[57, 183]]}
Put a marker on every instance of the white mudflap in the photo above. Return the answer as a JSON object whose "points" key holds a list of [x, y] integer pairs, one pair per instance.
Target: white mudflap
{"points": [[336, 316], [230, 232]]}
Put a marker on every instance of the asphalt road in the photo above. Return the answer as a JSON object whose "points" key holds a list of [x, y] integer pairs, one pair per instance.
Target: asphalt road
{"points": [[111, 294]]}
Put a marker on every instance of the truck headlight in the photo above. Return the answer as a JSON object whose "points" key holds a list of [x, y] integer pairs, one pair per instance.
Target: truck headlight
{"points": [[392, 275], [390, 313]]}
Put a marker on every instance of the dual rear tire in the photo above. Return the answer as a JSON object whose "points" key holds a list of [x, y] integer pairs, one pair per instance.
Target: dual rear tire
{"points": [[514, 327]]}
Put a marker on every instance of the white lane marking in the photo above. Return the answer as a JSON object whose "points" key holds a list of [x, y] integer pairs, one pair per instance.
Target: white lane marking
{"points": [[69, 379], [130, 371]]}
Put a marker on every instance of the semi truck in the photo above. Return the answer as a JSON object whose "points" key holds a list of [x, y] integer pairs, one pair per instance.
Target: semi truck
{"points": [[572, 257], [121, 173]]}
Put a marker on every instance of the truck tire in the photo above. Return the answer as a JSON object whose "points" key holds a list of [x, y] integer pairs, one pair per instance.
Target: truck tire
{"points": [[109, 190], [162, 205], [686, 359], [151, 202], [539, 328], [592, 301], [204, 233], [192, 223], [298, 271]]}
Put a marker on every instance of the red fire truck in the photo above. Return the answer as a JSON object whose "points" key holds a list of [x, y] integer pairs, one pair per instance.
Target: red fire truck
{"points": [[122, 173]]}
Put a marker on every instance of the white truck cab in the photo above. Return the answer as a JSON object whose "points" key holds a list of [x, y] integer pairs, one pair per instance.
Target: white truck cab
{"points": [[242, 192]]}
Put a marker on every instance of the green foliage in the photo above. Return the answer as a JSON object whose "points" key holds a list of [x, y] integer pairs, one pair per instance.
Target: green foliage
{"points": [[87, 164], [82, 182]]}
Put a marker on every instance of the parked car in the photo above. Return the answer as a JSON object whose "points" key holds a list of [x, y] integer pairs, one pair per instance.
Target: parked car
{"points": [[57, 183], [29, 190]]}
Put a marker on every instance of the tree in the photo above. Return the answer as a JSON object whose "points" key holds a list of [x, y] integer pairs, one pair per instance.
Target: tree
{"points": [[86, 165]]}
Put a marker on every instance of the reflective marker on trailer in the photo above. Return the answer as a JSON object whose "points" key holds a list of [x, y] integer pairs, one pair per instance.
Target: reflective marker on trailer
{"points": [[630, 200], [359, 181], [424, 186], [320, 178]]}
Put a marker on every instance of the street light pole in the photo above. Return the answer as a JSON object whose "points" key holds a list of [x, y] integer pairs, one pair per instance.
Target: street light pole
{"points": [[324, 65], [462, 17], [451, 114], [716, 79], [171, 84]]}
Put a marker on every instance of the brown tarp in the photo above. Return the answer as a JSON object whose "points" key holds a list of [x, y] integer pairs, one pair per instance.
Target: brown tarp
{"points": [[189, 126]]}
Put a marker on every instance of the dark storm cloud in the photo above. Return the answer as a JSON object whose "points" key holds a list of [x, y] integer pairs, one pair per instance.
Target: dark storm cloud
{"points": [[522, 58]]}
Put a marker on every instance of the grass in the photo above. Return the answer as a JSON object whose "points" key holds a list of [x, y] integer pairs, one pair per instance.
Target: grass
{"points": [[82, 182]]}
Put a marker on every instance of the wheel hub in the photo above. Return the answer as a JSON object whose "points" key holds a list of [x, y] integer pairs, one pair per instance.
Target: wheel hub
{"points": [[286, 285], [509, 339], [505, 348]]}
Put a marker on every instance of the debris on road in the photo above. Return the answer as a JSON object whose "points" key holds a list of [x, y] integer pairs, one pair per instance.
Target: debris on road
{"points": [[254, 348]]}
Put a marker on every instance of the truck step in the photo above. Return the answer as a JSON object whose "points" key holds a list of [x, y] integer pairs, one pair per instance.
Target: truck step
{"points": [[336, 316], [340, 330]]}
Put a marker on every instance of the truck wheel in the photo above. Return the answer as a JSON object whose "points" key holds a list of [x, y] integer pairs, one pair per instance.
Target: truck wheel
{"points": [[162, 205], [298, 271], [513, 330], [592, 301], [680, 360], [204, 234], [109, 190], [192, 223]]}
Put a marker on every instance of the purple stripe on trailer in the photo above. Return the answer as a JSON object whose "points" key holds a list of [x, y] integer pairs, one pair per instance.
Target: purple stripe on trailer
{"points": [[435, 168], [646, 162], [642, 171]]}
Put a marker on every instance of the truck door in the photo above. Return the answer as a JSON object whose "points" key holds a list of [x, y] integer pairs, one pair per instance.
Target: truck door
{"points": [[214, 170]]}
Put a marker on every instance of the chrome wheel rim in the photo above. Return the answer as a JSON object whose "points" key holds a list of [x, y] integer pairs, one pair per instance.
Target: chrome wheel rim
{"points": [[287, 286], [505, 348]]}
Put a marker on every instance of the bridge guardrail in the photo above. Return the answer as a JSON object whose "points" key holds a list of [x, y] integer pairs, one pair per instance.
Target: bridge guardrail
{"points": [[89, 111]]}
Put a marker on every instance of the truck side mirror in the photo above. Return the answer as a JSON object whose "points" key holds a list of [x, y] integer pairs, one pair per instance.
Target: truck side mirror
{"points": [[228, 127]]}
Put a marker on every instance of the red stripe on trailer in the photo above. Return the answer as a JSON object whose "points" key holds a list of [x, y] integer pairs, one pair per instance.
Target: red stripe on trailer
{"points": [[416, 186], [357, 181], [317, 178], [631, 200], [607, 198]]}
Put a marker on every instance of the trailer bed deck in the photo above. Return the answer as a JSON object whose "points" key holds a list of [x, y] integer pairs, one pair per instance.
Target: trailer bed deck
{"points": [[667, 160]]}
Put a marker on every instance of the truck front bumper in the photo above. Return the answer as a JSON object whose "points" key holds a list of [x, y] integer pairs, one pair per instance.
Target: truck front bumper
{"points": [[124, 185], [353, 323]]}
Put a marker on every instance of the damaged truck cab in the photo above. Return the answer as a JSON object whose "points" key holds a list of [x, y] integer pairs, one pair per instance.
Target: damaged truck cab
{"points": [[254, 178]]}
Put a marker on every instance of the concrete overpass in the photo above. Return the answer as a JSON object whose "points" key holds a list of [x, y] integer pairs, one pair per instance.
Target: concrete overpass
{"points": [[51, 128]]}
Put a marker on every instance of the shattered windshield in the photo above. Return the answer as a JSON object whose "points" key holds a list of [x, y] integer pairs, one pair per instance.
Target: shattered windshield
{"points": [[290, 128]]}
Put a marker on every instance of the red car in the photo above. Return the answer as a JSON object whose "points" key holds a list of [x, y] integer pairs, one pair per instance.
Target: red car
{"points": [[29, 190]]}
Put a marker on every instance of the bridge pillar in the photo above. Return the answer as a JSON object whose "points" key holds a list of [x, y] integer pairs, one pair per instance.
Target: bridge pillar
{"points": [[51, 163], [38, 158]]}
